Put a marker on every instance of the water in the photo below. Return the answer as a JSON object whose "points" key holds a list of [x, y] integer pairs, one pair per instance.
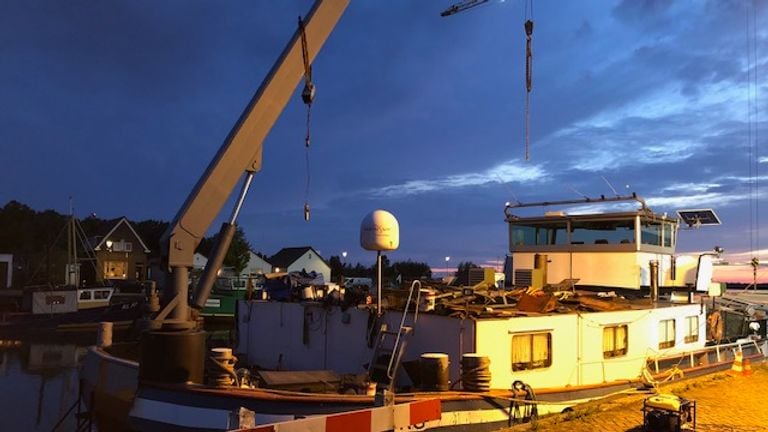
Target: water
{"points": [[38, 384]]}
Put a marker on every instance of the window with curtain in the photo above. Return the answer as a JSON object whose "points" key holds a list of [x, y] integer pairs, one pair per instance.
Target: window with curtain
{"points": [[692, 329], [531, 351], [115, 269], [666, 333], [615, 341]]}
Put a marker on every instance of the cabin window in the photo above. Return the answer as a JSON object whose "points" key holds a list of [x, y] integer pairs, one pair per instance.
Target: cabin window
{"points": [[531, 351], [85, 295], [101, 294], [692, 329], [666, 333], [115, 269], [614, 341], [603, 232], [650, 233], [538, 235]]}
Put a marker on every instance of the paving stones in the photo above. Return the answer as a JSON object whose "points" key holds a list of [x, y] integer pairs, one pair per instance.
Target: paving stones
{"points": [[724, 403]]}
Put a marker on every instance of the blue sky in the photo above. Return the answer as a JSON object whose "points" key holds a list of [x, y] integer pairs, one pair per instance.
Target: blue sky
{"points": [[122, 104]]}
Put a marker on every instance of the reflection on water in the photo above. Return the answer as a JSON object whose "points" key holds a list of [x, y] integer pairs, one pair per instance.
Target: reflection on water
{"points": [[38, 384]]}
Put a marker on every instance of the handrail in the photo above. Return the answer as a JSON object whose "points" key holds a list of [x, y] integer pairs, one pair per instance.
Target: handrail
{"points": [[396, 348]]}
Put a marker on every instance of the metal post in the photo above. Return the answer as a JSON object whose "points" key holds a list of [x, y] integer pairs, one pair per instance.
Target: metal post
{"points": [[378, 291], [654, 280]]}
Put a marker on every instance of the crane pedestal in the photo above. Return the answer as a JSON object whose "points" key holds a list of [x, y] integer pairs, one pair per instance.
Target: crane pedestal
{"points": [[172, 356]]}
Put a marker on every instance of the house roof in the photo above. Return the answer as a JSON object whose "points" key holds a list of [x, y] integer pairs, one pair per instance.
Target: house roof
{"points": [[287, 256], [125, 221]]}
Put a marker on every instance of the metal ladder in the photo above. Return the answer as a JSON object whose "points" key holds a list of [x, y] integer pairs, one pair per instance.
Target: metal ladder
{"points": [[390, 345]]}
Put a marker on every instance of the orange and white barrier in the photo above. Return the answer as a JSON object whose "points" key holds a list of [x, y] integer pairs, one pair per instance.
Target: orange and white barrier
{"points": [[747, 367], [377, 419]]}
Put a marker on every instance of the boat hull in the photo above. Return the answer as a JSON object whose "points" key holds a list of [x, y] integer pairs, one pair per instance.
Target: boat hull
{"points": [[120, 403]]}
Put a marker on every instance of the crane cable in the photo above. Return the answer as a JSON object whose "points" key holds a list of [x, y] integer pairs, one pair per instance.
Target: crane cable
{"points": [[753, 139], [528, 73], [308, 96]]}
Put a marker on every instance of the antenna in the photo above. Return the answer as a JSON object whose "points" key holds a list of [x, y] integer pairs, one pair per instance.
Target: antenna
{"points": [[509, 190], [574, 189], [610, 185]]}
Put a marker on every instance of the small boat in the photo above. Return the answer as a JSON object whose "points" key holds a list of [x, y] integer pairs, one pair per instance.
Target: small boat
{"points": [[68, 309], [583, 320]]}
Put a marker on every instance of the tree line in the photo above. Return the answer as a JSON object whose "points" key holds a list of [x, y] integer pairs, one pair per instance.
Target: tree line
{"points": [[38, 242]]}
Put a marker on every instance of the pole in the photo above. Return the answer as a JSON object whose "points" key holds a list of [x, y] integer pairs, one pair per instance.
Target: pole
{"points": [[378, 282]]}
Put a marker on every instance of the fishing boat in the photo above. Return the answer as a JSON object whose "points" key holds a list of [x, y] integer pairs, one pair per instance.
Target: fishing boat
{"points": [[71, 306], [600, 304]]}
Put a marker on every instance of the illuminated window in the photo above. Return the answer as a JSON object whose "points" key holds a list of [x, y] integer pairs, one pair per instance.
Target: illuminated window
{"points": [[614, 341], [115, 269], [531, 351], [692, 329], [666, 333]]}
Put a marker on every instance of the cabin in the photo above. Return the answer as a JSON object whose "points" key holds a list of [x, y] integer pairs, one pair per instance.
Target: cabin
{"points": [[548, 350], [299, 259], [612, 250]]}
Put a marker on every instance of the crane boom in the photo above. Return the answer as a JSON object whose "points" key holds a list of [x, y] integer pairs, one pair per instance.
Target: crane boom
{"points": [[242, 149], [462, 6]]}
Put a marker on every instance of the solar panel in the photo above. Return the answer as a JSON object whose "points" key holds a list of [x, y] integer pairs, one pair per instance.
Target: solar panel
{"points": [[699, 217]]}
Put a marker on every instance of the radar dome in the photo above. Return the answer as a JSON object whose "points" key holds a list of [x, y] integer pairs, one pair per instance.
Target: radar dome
{"points": [[380, 231]]}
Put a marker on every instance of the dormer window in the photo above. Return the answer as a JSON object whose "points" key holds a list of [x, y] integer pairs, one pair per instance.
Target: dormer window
{"points": [[122, 246]]}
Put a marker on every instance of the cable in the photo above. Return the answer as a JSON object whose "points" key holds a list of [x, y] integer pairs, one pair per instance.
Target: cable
{"points": [[308, 96], [528, 25]]}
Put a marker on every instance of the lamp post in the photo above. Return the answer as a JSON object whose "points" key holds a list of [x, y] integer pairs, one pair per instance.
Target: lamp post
{"points": [[343, 265]]}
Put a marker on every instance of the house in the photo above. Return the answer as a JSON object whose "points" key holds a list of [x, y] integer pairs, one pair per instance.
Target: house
{"points": [[199, 261], [6, 270], [256, 265], [121, 254], [300, 259]]}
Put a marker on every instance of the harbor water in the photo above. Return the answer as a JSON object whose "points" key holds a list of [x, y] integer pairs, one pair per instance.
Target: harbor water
{"points": [[39, 384]]}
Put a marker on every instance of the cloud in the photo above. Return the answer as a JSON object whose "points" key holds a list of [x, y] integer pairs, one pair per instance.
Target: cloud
{"points": [[509, 172]]}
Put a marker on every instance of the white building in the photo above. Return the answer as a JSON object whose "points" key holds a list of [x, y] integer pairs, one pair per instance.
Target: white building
{"points": [[300, 259]]}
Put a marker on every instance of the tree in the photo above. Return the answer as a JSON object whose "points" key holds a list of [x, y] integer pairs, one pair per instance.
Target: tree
{"points": [[337, 268], [462, 272], [150, 231], [238, 254], [411, 270]]}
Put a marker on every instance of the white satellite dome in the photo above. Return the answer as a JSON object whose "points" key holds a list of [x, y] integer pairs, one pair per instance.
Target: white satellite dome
{"points": [[380, 231]]}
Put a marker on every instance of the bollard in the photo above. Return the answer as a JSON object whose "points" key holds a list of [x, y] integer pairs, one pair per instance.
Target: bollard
{"points": [[104, 336]]}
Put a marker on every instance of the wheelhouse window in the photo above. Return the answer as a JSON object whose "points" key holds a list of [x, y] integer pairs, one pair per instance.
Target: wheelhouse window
{"points": [[531, 351], [666, 333], [615, 341], [650, 233], [85, 295], [692, 329], [540, 234], [603, 232]]}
